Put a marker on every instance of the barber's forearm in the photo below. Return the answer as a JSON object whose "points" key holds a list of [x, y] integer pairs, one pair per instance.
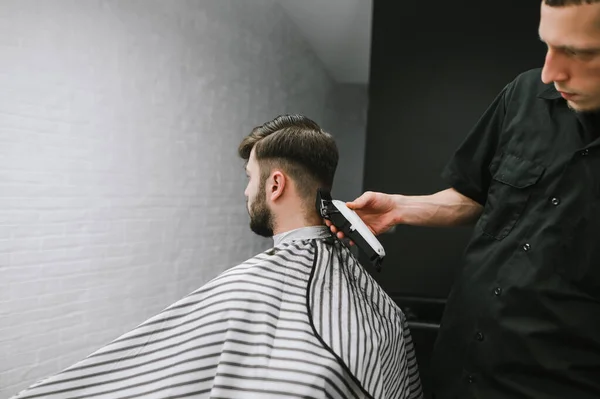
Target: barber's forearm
{"points": [[444, 208]]}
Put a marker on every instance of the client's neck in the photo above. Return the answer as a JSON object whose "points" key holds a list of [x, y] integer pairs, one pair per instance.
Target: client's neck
{"points": [[295, 221]]}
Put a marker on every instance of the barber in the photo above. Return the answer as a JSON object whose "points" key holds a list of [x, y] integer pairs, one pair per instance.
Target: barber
{"points": [[523, 317]]}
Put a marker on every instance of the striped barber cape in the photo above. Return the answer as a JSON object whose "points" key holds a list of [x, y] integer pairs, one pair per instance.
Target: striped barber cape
{"points": [[301, 320]]}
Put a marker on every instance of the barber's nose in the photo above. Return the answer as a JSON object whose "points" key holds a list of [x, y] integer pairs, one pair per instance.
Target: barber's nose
{"points": [[554, 69]]}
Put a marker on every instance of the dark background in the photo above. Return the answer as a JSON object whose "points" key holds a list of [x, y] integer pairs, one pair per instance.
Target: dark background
{"points": [[435, 68]]}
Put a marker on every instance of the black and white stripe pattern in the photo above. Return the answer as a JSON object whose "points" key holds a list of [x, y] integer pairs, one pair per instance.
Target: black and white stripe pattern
{"points": [[248, 334], [362, 325]]}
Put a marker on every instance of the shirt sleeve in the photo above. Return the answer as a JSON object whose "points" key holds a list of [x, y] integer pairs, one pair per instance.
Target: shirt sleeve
{"points": [[468, 170]]}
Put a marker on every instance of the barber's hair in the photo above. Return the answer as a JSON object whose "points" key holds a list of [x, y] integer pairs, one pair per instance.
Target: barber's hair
{"points": [[562, 3], [298, 146]]}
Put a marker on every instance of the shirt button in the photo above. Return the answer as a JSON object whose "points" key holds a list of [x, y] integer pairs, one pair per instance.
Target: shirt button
{"points": [[584, 152], [471, 379], [479, 336], [526, 247], [497, 291], [555, 201]]}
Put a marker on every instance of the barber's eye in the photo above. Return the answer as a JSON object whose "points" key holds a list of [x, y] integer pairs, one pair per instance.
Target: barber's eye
{"points": [[583, 55]]}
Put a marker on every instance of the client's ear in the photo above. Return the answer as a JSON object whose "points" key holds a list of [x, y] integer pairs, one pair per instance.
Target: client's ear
{"points": [[276, 185]]}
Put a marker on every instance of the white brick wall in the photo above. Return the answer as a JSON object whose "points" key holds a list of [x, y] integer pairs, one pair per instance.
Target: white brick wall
{"points": [[120, 187]]}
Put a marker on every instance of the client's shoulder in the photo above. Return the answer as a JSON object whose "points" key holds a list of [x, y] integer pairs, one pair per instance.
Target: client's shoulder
{"points": [[275, 264]]}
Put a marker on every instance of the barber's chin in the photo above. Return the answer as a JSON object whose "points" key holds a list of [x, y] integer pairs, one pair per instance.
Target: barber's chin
{"points": [[583, 106]]}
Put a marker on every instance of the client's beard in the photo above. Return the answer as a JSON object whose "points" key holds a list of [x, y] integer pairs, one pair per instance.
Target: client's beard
{"points": [[261, 218]]}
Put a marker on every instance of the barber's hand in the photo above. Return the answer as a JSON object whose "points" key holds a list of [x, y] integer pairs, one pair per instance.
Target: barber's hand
{"points": [[377, 210]]}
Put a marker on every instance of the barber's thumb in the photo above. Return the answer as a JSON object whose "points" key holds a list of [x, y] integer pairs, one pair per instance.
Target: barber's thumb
{"points": [[357, 203]]}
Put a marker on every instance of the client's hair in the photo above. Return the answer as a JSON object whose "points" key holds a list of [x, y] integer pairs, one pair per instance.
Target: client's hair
{"points": [[298, 146], [562, 3]]}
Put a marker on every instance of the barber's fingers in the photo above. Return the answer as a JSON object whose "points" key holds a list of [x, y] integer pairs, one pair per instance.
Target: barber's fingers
{"points": [[361, 201], [331, 226], [340, 235], [335, 231]]}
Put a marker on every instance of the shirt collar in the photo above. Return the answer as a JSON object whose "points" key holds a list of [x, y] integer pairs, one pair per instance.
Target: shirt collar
{"points": [[303, 233], [549, 93]]}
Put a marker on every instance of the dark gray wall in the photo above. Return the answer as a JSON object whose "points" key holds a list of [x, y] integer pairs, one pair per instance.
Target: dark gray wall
{"points": [[435, 67], [346, 120]]}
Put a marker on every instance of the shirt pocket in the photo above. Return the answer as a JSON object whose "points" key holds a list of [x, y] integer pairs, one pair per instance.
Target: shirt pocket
{"points": [[508, 194], [578, 259]]}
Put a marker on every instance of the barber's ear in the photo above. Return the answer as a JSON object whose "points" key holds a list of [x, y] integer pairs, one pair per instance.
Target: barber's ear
{"points": [[277, 186]]}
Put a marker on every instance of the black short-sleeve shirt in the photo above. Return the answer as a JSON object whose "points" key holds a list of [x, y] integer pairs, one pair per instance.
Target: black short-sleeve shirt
{"points": [[523, 317]]}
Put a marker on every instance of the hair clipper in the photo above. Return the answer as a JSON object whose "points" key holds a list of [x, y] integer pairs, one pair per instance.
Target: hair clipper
{"points": [[353, 227]]}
